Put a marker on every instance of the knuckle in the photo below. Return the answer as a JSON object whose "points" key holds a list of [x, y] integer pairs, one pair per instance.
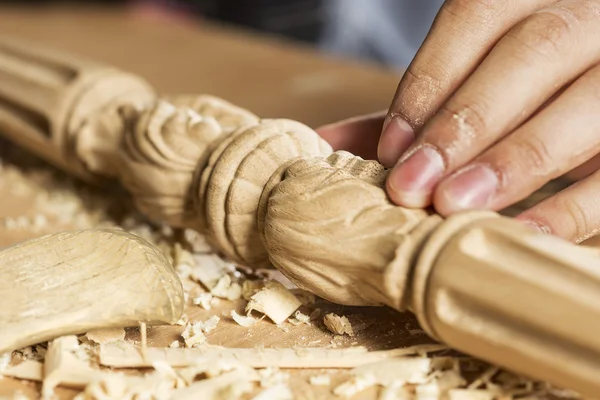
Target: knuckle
{"points": [[418, 90], [533, 153], [467, 122], [577, 214], [545, 34]]}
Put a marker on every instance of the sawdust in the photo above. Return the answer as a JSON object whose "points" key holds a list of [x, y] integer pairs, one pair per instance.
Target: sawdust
{"points": [[418, 373]]}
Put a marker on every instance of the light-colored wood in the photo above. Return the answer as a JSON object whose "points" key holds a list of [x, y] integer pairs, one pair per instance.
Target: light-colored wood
{"points": [[272, 189], [72, 282], [318, 106]]}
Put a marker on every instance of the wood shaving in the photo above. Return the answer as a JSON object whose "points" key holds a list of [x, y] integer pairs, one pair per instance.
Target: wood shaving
{"points": [[320, 380], [226, 289], [5, 361], [338, 325], [299, 319], [126, 355], [440, 385], [218, 388], [194, 332], [275, 301], [108, 335], [396, 391], [272, 376], [245, 321], [62, 367], [208, 269], [407, 370], [29, 370], [354, 386], [203, 300], [470, 394], [277, 392]]}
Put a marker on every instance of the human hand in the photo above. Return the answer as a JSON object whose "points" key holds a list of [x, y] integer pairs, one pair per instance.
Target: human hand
{"points": [[504, 96]]}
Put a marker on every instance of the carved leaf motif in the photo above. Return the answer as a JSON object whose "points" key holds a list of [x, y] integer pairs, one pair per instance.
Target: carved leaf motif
{"points": [[237, 174], [229, 116], [162, 150], [330, 228]]}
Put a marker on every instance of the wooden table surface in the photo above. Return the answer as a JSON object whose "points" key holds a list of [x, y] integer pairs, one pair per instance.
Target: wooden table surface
{"points": [[271, 77]]}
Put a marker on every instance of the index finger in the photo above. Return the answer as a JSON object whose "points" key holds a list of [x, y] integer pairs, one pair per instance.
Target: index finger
{"points": [[462, 34]]}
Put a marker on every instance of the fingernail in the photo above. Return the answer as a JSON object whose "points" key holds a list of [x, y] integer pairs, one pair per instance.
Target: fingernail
{"points": [[472, 188], [411, 182], [395, 139], [537, 226]]}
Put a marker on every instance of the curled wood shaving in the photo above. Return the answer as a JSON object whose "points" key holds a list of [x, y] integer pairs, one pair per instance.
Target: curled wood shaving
{"points": [[299, 319], [275, 301], [338, 325], [245, 321]]}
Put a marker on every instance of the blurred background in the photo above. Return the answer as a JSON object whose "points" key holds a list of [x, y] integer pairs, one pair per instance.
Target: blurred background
{"points": [[386, 32]]}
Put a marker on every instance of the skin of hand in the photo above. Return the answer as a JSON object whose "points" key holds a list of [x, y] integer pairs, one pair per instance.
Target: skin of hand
{"points": [[502, 97]]}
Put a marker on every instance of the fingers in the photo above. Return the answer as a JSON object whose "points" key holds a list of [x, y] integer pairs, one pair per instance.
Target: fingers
{"points": [[562, 136], [573, 214], [357, 135], [462, 34], [530, 63]]}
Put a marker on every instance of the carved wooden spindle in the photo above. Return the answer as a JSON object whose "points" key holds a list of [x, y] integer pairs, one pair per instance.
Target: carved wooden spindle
{"points": [[271, 192]]}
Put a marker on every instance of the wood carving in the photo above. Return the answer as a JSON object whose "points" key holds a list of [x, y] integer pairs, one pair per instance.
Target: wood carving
{"points": [[272, 192], [110, 278]]}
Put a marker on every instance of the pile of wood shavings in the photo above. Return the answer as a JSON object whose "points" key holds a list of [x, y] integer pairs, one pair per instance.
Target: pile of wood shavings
{"points": [[209, 282]]}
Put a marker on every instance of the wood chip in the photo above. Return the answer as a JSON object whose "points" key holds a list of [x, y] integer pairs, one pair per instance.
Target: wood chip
{"points": [[30, 370], [126, 355], [226, 289], [354, 386], [320, 380], [63, 368], [278, 392], [203, 300], [103, 336], [218, 388], [471, 394], [408, 370], [275, 301], [245, 321], [338, 325]]}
